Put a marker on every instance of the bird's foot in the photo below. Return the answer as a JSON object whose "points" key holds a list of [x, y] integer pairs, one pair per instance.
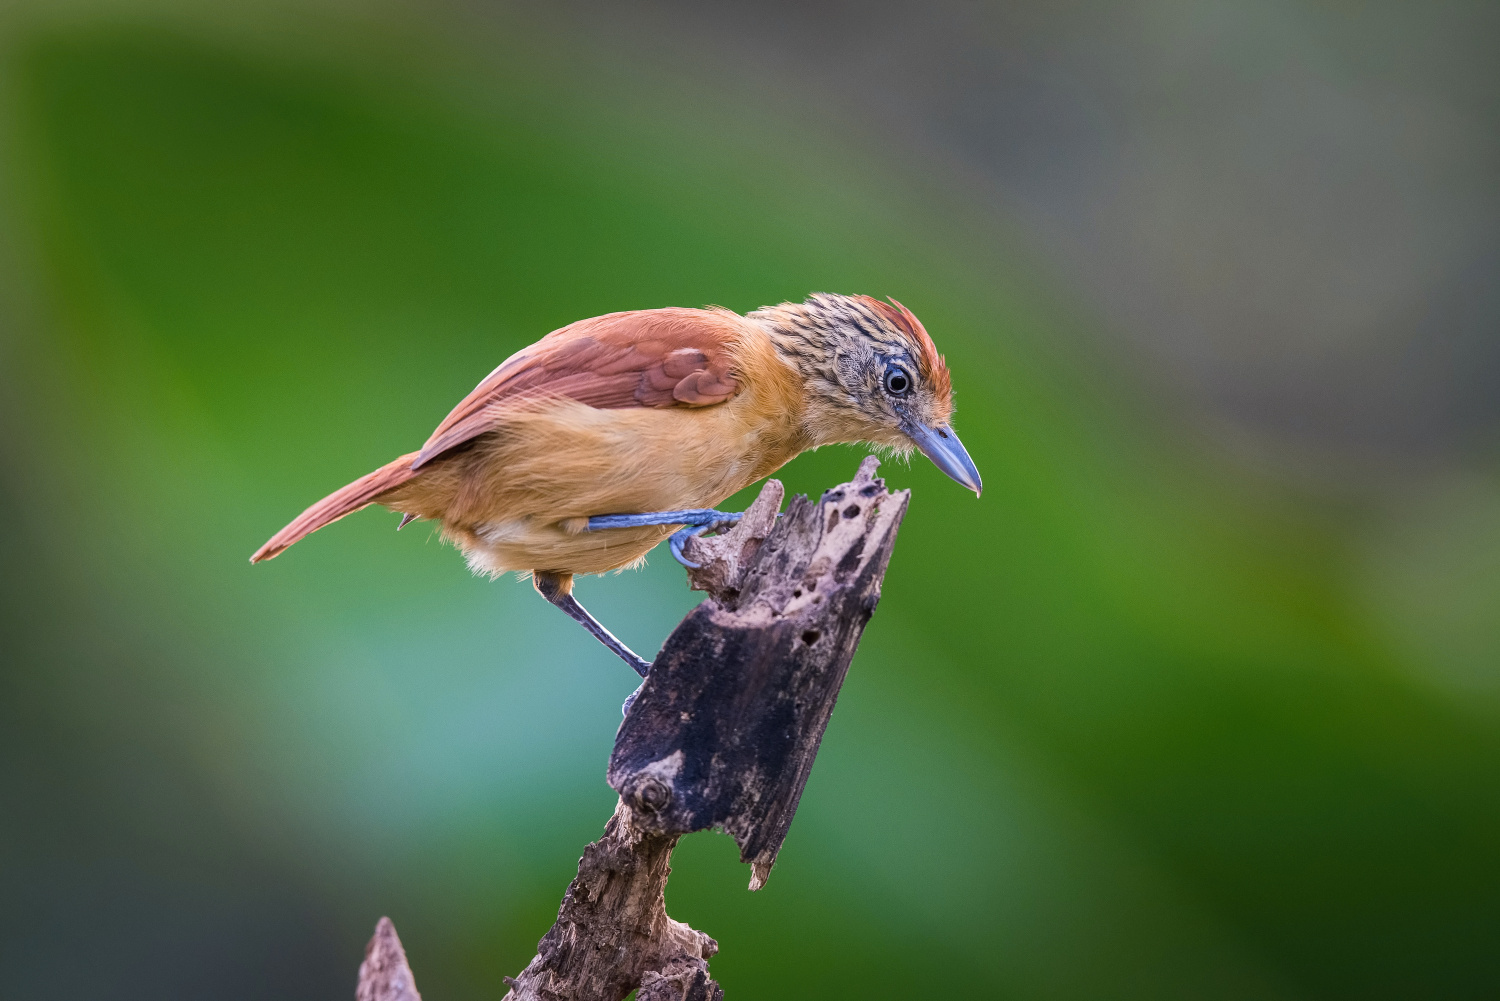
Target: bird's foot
{"points": [[630, 699], [695, 521]]}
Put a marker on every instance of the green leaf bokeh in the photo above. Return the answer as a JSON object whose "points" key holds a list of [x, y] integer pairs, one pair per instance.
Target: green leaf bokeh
{"points": [[1129, 726]]}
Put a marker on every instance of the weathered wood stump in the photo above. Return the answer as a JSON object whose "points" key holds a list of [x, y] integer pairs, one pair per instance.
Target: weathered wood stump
{"points": [[723, 735]]}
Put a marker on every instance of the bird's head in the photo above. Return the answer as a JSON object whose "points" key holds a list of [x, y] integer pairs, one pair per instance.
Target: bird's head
{"points": [[870, 373]]}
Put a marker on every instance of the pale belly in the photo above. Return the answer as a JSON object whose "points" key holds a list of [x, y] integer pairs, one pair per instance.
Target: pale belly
{"points": [[532, 545]]}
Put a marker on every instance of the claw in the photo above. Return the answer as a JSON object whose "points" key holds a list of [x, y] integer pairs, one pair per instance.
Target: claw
{"points": [[630, 700], [406, 519], [679, 539]]}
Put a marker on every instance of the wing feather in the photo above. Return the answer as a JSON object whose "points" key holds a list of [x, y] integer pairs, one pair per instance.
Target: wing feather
{"points": [[644, 358]]}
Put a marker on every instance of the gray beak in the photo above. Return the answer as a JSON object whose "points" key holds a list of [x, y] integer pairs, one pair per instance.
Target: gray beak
{"points": [[947, 453]]}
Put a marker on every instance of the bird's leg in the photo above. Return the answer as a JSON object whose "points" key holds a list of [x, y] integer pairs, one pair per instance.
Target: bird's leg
{"points": [[695, 521], [558, 589]]}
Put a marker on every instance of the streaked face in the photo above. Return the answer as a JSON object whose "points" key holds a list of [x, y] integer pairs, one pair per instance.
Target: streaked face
{"points": [[889, 384], [872, 374]]}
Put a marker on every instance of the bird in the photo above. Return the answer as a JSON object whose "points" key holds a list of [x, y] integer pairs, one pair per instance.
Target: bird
{"points": [[584, 451]]}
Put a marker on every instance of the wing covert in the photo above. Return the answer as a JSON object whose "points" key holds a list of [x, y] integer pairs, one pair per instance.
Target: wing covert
{"points": [[656, 358]]}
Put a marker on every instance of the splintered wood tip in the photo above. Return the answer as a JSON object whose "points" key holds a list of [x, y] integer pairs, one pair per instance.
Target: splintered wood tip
{"points": [[384, 975]]}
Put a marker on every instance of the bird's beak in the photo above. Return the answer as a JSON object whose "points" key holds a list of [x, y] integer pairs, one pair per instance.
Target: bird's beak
{"points": [[947, 453]]}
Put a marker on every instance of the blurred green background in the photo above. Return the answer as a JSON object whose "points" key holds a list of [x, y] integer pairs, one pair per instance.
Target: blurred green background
{"points": [[1201, 700]]}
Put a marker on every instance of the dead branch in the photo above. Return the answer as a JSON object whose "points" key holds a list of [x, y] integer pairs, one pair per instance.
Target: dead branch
{"points": [[723, 735]]}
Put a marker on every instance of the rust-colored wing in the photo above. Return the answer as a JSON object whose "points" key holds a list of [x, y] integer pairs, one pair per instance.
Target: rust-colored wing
{"points": [[644, 358]]}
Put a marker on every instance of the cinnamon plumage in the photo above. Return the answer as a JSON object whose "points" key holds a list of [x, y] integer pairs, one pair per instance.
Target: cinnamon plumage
{"points": [[577, 453]]}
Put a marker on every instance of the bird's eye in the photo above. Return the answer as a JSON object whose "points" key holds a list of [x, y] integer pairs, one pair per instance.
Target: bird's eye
{"points": [[897, 382]]}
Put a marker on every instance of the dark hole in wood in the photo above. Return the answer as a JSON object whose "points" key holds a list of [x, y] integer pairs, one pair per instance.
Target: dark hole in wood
{"points": [[851, 511], [811, 636]]}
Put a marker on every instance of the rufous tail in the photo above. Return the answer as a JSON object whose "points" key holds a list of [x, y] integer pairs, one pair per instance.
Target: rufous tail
{"points": [[361, 493]]}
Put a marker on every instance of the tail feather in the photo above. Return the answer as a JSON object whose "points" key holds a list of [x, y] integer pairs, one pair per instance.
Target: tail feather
{"points": [[361, 493]]}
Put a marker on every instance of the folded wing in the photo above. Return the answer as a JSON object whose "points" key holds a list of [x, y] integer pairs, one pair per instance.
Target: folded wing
{"points": [[643, 358]]}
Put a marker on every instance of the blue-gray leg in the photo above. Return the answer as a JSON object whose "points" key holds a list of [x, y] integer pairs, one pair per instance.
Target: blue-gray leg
{"points": [[554, 587], [695, 521]]}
